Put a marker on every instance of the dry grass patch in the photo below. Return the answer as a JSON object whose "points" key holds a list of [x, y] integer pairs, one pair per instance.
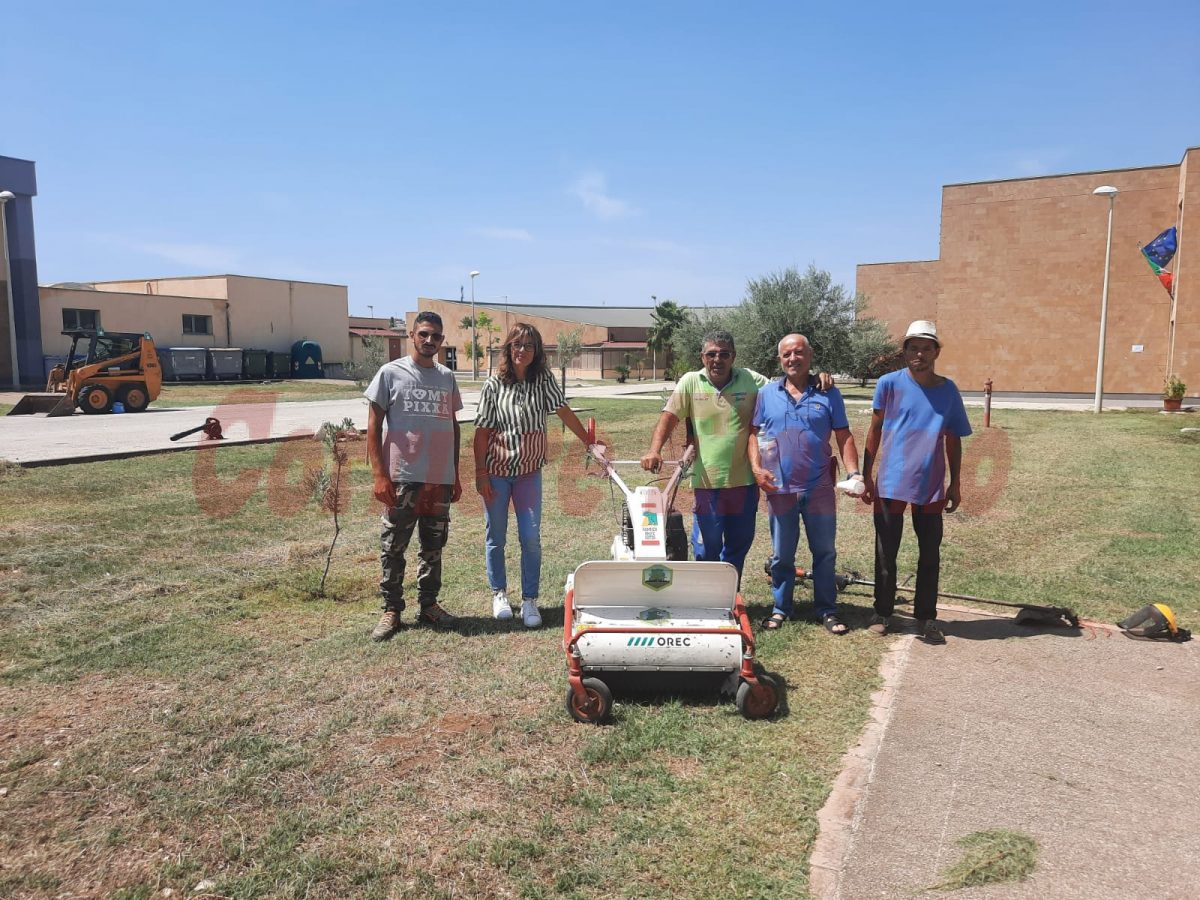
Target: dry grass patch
{"points": [[212, 719]]}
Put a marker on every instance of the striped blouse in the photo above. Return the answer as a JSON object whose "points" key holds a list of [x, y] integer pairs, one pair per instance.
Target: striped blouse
{"points": [[516, 413]]}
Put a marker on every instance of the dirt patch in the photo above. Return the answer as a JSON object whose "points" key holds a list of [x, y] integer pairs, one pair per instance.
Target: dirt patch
{"points": [[61, 716], [399, 743], [465, 725], [406, 753]]}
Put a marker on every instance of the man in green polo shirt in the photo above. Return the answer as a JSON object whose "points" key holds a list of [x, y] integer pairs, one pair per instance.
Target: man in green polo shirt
{"points": [[719, 401]]}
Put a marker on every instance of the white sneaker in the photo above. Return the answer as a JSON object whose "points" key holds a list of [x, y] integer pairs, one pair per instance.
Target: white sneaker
{"points": [[501, 608], [529, 612]]}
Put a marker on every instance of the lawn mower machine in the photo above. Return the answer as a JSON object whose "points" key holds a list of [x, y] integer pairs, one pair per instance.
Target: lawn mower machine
{"points": [[650, 610]]}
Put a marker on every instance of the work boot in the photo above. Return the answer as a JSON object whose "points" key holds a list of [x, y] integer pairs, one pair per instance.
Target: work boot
{"points": [[501, 607], [879, 625], [433, 614], [929, 632], [389, 624]]}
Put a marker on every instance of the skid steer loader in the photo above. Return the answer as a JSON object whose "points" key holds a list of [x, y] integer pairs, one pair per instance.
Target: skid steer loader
{"points": [[116, 367]]}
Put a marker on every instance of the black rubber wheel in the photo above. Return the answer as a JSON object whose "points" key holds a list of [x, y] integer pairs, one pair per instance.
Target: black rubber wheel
{"points": [[95, 399], [134, 397], [595, 707], [758, 701]]}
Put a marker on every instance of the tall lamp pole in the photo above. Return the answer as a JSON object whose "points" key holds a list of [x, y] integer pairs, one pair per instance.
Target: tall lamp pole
{"points": [[5, 196], [474, 342], [1111, 193], [654, 349]]}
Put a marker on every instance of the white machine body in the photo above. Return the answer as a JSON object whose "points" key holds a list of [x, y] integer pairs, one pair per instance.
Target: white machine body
{"points": [[665, 601]]}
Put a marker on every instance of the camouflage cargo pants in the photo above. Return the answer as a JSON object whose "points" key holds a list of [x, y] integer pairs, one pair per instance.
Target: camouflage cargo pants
{"points": [[425, 507]]}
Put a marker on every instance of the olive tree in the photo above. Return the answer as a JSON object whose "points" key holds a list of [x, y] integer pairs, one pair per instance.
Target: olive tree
{"points": [[570, 343], [776, 305]]}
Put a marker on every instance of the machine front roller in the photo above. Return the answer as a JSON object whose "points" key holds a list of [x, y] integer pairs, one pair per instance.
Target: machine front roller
{"points": [[594, 705], [758, 700]]}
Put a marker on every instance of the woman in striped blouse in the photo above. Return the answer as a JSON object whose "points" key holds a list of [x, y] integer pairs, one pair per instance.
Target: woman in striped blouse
{"points": [[510, 450]]}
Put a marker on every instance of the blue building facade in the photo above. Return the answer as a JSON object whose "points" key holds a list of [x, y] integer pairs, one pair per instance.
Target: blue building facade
{"points": [[17, 176]]}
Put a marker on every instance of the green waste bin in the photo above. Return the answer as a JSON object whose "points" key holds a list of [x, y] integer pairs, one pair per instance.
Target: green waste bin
{"points": [[254, 364]]}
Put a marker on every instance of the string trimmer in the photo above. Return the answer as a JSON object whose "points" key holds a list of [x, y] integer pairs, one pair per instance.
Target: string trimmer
{"points": [[1030, 613]]}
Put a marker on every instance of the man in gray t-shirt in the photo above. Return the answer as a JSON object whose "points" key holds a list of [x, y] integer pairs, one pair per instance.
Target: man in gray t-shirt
{"points": [[415, 470]]}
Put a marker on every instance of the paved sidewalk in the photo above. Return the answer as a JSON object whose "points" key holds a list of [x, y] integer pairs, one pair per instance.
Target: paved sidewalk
{"points": [[35, 440], [1089, 742]]}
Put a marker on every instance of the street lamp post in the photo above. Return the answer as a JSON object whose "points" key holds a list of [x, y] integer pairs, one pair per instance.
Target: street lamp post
{"points": [[371, 310], [654, 349], [474, 342], [1111, 193], [5, 196]]}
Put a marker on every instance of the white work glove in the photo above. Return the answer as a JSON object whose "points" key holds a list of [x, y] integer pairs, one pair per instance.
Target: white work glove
{"points": [[855, 486], [597, 453]]}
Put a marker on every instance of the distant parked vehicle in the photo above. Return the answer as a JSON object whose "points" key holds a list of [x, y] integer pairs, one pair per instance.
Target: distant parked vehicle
{"points": [[118, 367]]}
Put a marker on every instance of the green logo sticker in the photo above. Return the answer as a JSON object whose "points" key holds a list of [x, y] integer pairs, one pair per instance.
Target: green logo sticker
{"points": [[657, 577]]}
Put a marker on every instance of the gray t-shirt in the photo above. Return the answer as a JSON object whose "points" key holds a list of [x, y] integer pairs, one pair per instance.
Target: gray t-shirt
{"points": [[420, 404]]}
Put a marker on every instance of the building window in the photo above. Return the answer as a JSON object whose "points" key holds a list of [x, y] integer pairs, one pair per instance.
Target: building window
{"points": [[197, 324], [81, 319]]}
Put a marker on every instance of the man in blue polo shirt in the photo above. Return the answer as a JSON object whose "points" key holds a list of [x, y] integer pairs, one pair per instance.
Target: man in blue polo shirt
{"points": [[916, 433], [790, 456]]}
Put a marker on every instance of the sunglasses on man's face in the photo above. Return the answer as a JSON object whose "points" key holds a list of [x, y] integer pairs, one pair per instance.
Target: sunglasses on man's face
{"points": [[429, 336], [718, 354]]}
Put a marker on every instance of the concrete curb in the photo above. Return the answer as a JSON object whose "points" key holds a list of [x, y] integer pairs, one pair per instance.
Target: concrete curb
{"points": [[839, 817]]}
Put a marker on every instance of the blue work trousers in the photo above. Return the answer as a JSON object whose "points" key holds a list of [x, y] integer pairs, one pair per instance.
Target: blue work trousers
{"points": [[723, 524], [816, 508]]}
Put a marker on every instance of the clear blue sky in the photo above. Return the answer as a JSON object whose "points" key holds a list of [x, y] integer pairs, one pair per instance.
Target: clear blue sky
{"points": [[580, 153]]}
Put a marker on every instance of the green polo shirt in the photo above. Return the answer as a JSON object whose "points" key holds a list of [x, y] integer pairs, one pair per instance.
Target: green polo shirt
{"points": [[721, 420]]}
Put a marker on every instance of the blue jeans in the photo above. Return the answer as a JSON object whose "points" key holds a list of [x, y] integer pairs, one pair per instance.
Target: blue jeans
{"points": [[817, 509], [525, 492], [723, 524]]}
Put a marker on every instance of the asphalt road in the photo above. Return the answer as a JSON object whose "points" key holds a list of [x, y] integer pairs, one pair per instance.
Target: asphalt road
{"points": [[35, 440]]}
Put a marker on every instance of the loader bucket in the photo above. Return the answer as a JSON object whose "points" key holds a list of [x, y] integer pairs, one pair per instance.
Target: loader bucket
{"points": [[48, 405]]}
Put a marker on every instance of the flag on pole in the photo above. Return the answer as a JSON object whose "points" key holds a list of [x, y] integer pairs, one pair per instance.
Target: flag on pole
{"points": [[1159, 253]]}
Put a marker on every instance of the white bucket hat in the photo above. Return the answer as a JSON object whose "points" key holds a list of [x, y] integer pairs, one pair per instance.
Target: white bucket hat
{"points": [[923, 328]]}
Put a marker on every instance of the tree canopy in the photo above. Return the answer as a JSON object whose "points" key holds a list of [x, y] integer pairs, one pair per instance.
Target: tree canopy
{"points": [[783, 303], [668, 317]]}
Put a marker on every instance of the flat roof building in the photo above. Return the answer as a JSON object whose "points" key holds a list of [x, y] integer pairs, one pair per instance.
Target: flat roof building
{"points": [[1016, 288], [612, 336]]}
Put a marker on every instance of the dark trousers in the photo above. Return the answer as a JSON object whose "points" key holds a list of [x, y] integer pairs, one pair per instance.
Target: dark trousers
{"points": [[889, 529], [425, 508]]}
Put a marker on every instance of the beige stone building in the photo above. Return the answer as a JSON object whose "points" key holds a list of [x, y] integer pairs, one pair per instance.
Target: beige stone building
{"points": [[206, 311], [1016, 288], [612, 335], [388, 331]]}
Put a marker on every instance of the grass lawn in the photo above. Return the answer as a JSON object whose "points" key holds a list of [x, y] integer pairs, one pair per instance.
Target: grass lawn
{"points": [[214, 392], [178, 707]]}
